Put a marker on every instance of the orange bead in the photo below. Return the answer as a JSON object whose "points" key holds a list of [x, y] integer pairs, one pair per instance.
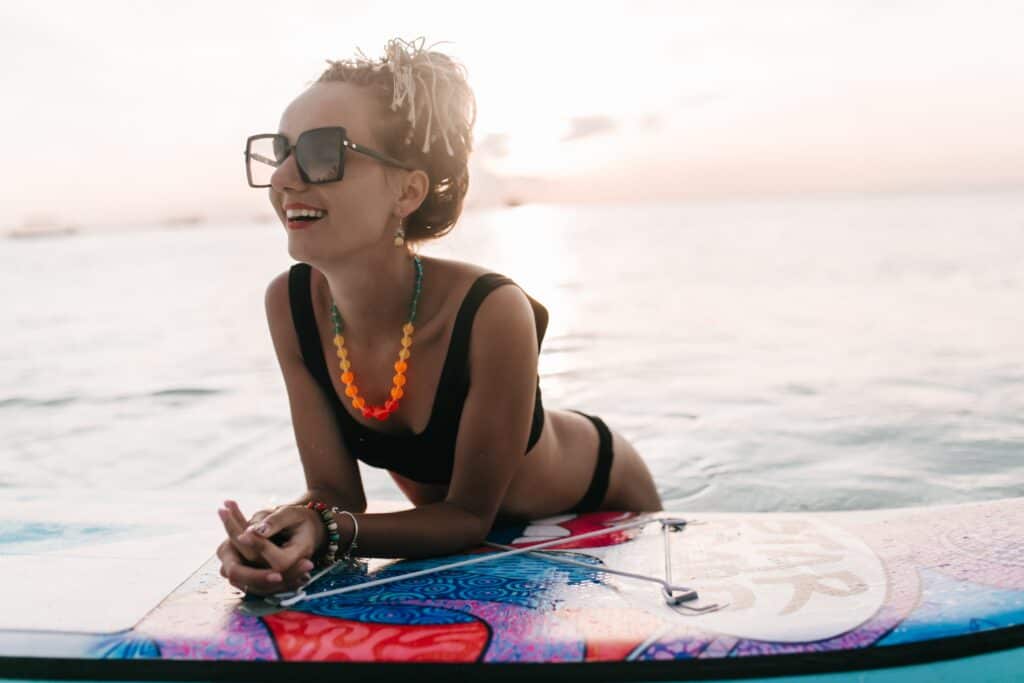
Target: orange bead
{"points": [[339, 340], [359, 402], [346, 364], [391, 404], [401, 366], [343, 352], [397, 393], [408, 328], [348, 377], [406, 342], [403, 354], [399, 380], [351, 390]]}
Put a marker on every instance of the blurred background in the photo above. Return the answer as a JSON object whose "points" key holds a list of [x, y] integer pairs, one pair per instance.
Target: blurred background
{"points": [[781, 244]]}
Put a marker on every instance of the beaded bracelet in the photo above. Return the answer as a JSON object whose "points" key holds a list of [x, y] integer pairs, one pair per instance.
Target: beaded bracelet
{"points": [[355, 534], [333, 537]]}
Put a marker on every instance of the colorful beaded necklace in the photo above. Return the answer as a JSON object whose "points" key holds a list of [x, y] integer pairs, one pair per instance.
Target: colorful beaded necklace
{"points": [[382, 412]]}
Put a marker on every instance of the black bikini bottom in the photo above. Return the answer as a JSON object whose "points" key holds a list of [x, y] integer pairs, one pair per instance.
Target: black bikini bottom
{"points": [[599, 482]]}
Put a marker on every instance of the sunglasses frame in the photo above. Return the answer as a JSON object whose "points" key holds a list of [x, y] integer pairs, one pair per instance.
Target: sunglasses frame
{"points": [[345, 143]]}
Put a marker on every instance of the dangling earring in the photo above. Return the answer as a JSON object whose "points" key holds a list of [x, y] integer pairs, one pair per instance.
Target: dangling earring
{"points": [[400, 236]]}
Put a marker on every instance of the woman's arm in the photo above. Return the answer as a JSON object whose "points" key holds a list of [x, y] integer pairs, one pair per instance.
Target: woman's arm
{"points": [[493, 434], [332, 474]]}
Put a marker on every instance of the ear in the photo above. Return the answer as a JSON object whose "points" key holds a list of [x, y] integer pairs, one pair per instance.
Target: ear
{"points": [[414, 189]]}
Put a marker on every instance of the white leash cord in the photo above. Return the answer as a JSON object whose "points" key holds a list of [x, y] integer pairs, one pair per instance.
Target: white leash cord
{"points": [[547, 555], [302, 595], [667, 588]]}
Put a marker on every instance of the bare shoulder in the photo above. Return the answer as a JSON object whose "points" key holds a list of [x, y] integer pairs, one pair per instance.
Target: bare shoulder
{"points": [[505, 321], [446, 282], [503, 311], [277, 290], [279, 317], [450, 274]]}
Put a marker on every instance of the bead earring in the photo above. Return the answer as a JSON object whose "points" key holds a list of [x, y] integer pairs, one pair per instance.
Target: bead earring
{"points": [[400, 236]]}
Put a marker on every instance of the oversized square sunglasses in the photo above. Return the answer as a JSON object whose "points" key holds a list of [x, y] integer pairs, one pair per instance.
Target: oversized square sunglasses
{"points": [[319, 154]]}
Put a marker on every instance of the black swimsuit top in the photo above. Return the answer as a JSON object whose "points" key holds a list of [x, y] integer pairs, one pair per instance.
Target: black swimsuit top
{"points": [[429, 456]]}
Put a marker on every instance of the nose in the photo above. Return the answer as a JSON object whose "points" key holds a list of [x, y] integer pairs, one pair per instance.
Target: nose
{"points": [[286, 176]]}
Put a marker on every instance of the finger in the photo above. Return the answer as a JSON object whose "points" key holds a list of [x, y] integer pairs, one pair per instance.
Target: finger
{"points": [[300, 547], [241, 525], [236, 514], [255, 580], [250, 550], [249, 579], [292, 557], [261, 526], [297, 575], [302, 543], [239, 520], [230, 562], [298, 571], [287, 518], [244, 545], [268, 552], [229, 522], [227, 554], [258, 517]]}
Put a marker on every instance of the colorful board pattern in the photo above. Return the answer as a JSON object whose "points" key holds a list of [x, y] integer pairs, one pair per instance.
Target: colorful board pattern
{"points": [[793, 583]]}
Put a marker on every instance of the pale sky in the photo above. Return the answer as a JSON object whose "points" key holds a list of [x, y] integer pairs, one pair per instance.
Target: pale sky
{"points": [[130, 112]]}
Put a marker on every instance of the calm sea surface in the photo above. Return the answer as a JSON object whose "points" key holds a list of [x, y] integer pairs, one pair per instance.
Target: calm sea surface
{"points": [[827, 353]]}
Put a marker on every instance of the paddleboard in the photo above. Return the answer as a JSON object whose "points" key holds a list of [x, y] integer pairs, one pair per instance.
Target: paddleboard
{"points": [[908, 592]]}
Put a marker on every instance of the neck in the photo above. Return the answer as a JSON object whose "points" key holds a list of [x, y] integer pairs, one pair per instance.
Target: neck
{"points": [[372, 294]]}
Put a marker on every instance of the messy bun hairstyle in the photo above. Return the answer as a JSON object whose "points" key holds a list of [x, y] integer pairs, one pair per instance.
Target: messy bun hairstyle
{"points": [[425, 116]]}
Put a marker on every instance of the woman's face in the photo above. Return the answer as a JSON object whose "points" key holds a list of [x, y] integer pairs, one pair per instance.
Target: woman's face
{"points": [[360, 206]]}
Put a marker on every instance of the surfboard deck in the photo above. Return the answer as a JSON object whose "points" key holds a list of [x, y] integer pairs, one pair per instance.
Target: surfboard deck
{"points": [[802, 593]]}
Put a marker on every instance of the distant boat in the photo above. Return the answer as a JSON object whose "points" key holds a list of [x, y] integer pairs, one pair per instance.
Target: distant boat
{"points": [[185, 221], [42, 228], [513, 201]]}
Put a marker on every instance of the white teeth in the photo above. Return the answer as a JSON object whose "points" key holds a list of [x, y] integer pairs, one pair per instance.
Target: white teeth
{"points": [[312, 213]]}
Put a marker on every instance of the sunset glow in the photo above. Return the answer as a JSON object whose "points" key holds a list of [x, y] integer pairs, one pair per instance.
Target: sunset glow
{"points": [[630, 101]]}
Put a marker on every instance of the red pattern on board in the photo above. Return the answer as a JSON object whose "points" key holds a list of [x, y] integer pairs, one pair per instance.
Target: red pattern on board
{"points": [[308, 637], [581, 524], [599, 520], [592, 521]]}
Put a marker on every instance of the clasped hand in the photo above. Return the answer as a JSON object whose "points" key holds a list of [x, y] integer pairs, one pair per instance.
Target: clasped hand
{"points": [[271, 553]]}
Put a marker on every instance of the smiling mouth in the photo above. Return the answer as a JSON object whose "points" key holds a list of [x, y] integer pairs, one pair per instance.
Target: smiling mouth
{"points": [[303, 218]]}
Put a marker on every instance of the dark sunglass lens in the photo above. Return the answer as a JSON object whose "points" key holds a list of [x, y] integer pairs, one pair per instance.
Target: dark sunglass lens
{"points": [[320, 154]]}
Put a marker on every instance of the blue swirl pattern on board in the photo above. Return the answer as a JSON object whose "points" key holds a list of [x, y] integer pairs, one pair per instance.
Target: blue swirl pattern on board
{"points": [[520, 580], [122, 647], [389, 614]]}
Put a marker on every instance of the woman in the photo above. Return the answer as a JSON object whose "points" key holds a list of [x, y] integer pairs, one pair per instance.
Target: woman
{"points": [[368, 161]]}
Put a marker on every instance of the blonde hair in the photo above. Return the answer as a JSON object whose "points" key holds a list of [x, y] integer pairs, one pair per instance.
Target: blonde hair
{"points": [[423, 100]]}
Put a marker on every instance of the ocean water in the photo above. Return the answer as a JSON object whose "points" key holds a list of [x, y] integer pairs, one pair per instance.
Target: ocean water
{"points": [[788, 354]]}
